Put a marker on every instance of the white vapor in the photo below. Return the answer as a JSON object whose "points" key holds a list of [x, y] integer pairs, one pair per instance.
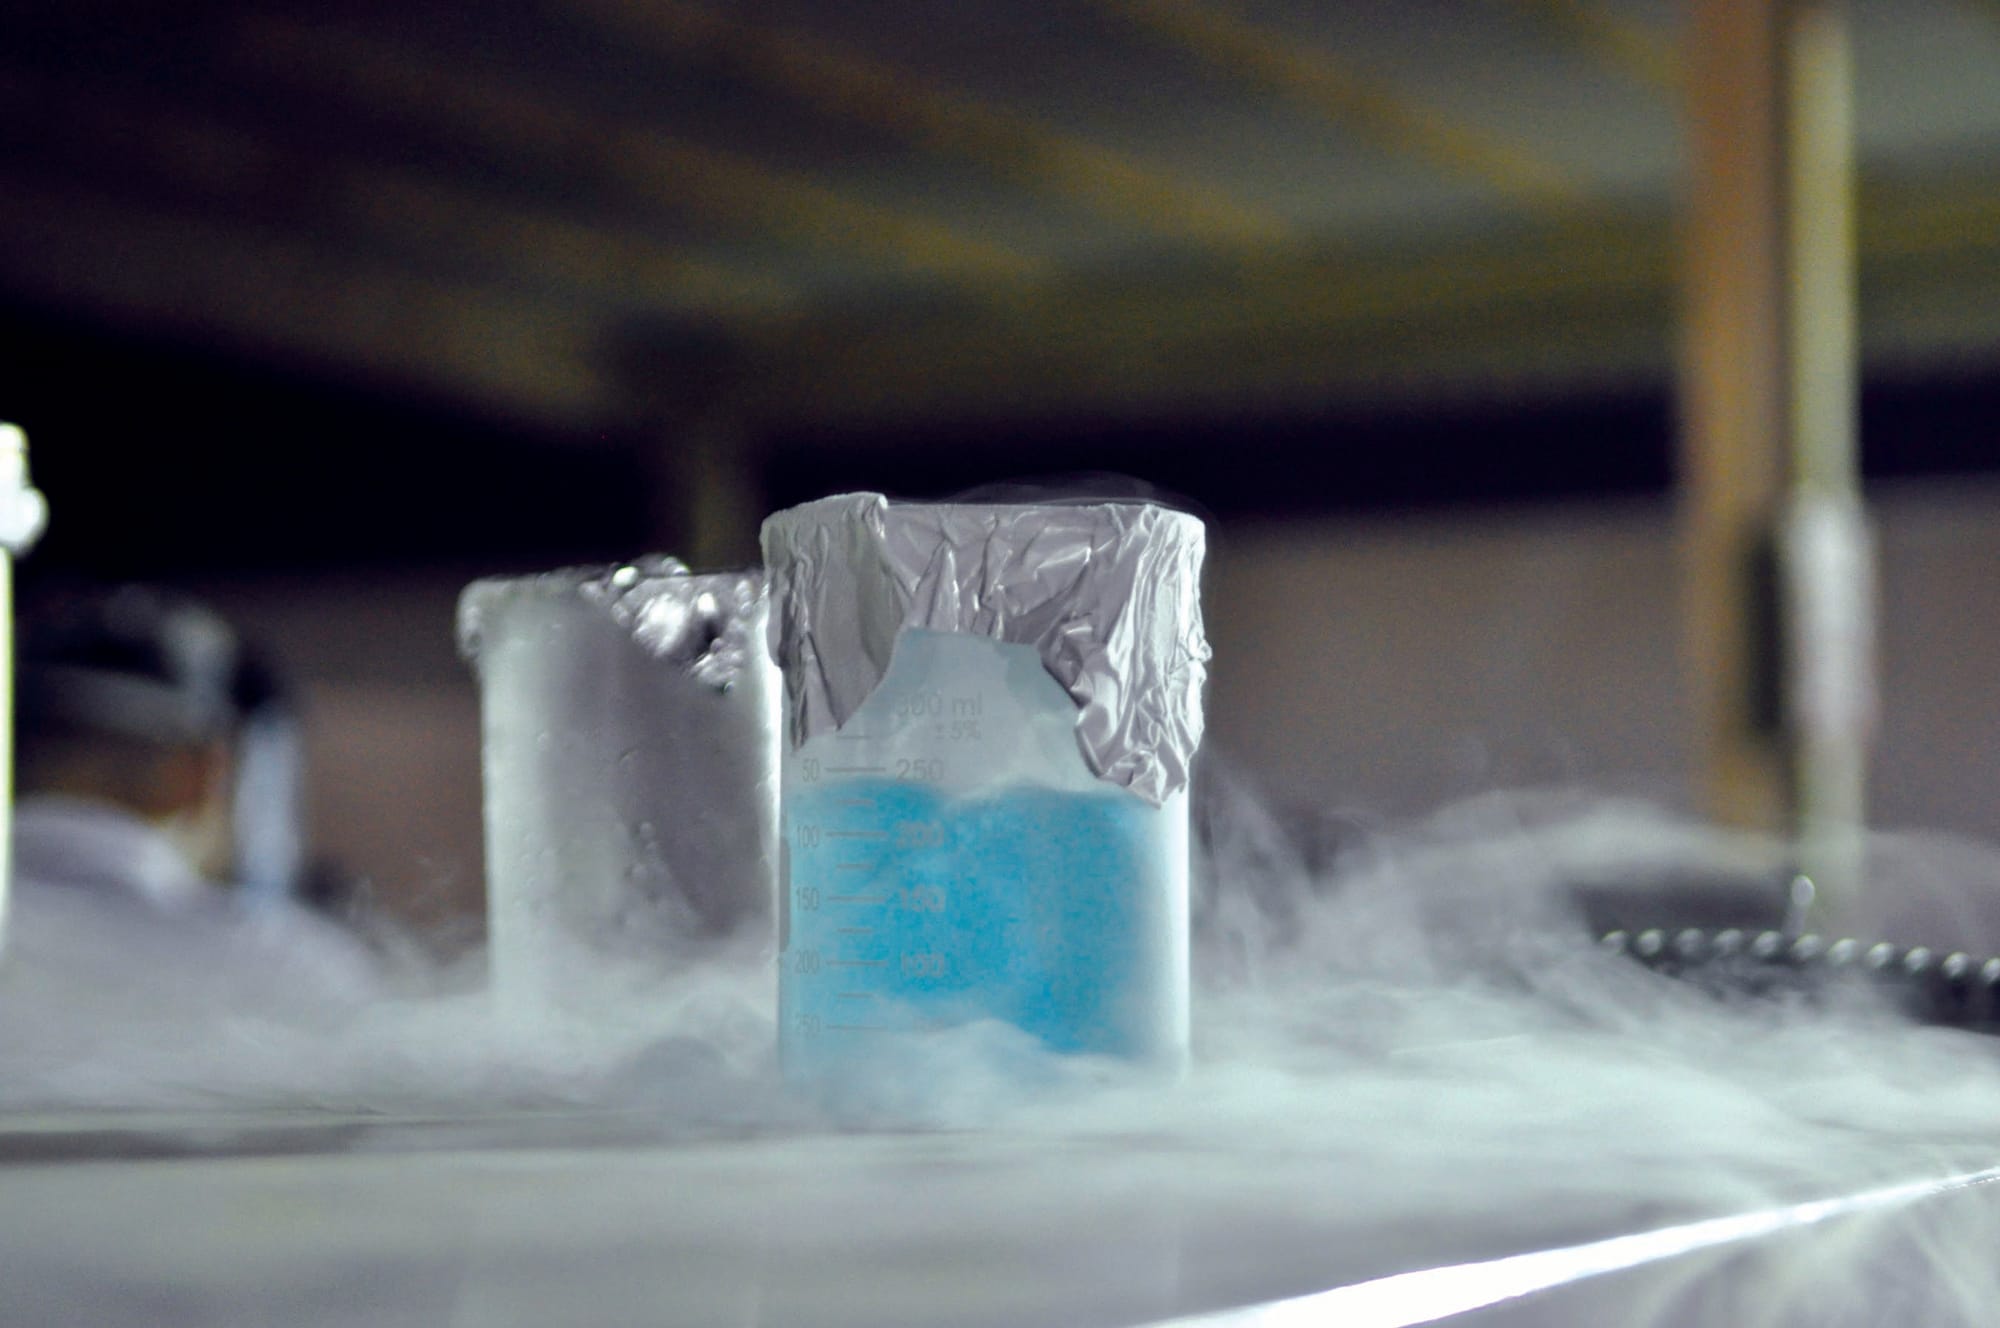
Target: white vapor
{"points": [[1417, 1043]]}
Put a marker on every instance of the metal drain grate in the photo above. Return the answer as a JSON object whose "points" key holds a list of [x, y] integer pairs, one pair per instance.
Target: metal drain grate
{"points": [[1951, 988]]}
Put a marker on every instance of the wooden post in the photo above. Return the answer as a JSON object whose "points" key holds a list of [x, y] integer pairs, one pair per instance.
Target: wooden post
{"points": [[720, 485], [1827, 553], [686, 387], [1777, 570], [1733, 401]]}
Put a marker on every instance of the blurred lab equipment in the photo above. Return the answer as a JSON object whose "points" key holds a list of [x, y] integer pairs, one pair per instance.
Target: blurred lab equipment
{"points": [[991, 711], [268, 816], [629, 721]]}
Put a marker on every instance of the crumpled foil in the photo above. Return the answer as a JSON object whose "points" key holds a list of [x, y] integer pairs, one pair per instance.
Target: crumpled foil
{"points": [[1108, 593], [707, 625]]}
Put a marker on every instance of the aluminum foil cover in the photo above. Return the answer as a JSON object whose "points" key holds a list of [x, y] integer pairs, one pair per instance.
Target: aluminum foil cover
{"points": [[1108, 593], [709, 625]]}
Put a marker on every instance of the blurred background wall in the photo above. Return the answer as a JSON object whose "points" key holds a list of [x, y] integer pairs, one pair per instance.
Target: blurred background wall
{"points": [[1367, 669]]}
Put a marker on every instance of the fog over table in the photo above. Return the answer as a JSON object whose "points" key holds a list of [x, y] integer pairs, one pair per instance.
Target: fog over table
{"points": [[1416, 1060]]}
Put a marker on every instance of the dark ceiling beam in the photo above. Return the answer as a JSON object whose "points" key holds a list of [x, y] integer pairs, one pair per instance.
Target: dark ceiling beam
{"points": [[1547, 312], [1369, 108], [1022, 148], [1614, 42], [1989, 9], [1304, 328], [275, 297], [1563, 305], [1930, 270], [594, 261], [645, 163], [142, 148]]}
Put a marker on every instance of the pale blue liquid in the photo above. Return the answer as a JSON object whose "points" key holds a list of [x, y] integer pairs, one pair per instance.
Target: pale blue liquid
{"points": [[908, 910]]}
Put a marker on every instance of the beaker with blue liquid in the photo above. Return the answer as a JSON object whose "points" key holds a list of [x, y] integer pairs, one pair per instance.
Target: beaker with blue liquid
{"points": [[996, 827]]}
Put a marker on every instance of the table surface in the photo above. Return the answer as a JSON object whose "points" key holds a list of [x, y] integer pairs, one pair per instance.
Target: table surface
{"points": [[319, 1218]]}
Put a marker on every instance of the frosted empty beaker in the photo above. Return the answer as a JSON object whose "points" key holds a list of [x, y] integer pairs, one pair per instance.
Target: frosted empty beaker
{"points": [[629, 744], [991, 712]]}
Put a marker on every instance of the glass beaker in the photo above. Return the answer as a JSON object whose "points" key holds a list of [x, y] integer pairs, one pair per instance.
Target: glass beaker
{"points": [[629, 743], [991, 712]]}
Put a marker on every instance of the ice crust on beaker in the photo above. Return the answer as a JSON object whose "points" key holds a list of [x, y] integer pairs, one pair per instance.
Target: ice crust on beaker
{"points": [[992, 710], [629, 747]]}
